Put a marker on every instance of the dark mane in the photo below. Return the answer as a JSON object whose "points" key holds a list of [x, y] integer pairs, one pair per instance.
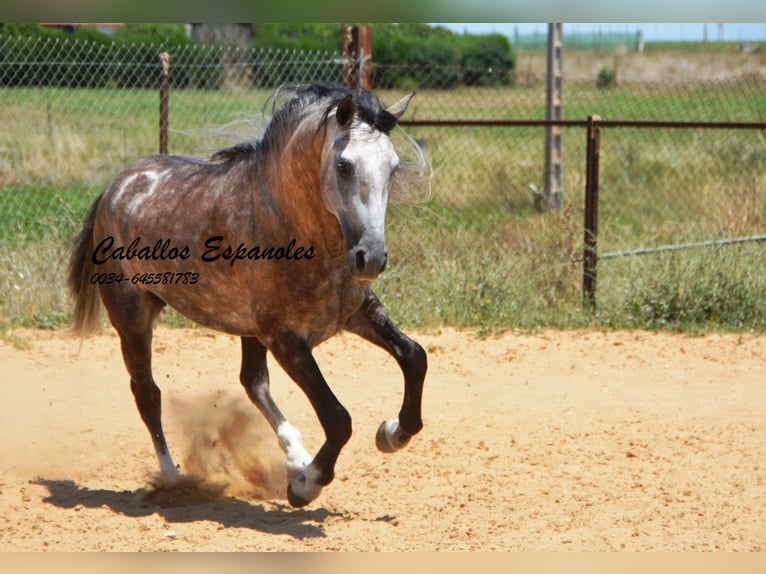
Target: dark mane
{"points": [[291, 104]]}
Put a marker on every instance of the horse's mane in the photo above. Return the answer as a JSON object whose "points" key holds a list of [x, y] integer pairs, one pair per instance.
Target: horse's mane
{"points": [[289, 105]]}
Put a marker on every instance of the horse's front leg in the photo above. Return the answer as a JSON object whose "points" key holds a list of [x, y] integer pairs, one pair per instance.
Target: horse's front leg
{"points": [[294, 355], [254, 376], [372, 323]]}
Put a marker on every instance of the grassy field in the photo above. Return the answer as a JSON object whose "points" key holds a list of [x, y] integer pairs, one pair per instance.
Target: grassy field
{"points": [[479, 253]]}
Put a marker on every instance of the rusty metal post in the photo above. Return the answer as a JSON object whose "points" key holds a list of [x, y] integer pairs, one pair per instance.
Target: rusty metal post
{"points": [[590, 250], [164, 88], [357, 57]]}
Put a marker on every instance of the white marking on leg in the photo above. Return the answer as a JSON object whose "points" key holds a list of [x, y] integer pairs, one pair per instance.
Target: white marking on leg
{"points": [[168, 472], [301, 473], [290, 442]]}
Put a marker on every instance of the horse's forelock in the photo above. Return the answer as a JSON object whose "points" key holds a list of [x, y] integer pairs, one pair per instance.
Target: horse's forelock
{"points": [[368, 107], [379, 118]]}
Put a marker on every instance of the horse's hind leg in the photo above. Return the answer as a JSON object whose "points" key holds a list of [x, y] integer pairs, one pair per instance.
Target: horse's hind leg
{"points": [[372, 323], [132, 312]]}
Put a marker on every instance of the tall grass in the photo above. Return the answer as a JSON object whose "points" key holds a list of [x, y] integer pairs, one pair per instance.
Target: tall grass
{"points": [[699, 289], [520, 272], [33, 284], [527, 273]]}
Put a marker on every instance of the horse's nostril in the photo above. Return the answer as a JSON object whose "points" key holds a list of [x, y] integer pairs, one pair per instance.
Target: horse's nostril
{"points": [[361, 260], [385, 262]]}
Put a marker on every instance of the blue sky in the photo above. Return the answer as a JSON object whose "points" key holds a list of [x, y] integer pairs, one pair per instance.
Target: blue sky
{"points": [[652, 31]]}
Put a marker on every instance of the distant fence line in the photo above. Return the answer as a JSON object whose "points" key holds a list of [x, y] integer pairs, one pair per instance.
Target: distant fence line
{"points": [[597, 40]]}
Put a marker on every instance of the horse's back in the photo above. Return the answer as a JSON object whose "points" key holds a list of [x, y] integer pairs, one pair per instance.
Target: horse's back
{"points": [[153, 173], [168, 193]]}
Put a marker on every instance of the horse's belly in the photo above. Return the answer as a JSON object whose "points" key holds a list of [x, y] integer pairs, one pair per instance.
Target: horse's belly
{"points": [[264, 308]]}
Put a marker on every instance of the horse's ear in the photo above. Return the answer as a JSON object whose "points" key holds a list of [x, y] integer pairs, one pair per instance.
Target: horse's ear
{"points": [[345, 112], [397, 110]]}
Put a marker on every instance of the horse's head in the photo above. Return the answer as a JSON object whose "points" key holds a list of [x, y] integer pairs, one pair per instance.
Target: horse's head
{"points": [[359, 164]]}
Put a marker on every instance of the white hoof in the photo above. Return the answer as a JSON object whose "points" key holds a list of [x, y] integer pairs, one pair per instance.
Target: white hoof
{"points": [[303, 488], [169, 474], [169, 478]]}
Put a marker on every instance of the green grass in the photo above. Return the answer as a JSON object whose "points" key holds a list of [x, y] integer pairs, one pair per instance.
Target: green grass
{"points": [[33, 213], [479, 254]]}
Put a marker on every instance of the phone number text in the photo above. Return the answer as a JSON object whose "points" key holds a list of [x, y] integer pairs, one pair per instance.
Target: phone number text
{"points": [[166, 278]]}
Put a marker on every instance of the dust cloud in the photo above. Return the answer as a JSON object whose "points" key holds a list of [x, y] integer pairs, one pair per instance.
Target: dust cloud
{"points": [[228, 444]]}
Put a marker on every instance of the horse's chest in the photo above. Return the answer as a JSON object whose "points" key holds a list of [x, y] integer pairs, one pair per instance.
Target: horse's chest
{"points": [[315, 305]]}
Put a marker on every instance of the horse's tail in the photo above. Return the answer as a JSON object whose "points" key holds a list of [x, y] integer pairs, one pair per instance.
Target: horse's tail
{"points": [[87, 308]]}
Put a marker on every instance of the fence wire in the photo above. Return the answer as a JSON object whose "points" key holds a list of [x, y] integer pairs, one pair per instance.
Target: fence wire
{"points": [[73, 114]]}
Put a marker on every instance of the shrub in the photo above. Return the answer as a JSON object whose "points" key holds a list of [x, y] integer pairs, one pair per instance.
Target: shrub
{"points": [[488, 61], [438, 64], [606, 78]]}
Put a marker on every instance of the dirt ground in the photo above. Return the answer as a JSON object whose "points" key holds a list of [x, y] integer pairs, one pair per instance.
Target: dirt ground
{"points": [[532, 441]]}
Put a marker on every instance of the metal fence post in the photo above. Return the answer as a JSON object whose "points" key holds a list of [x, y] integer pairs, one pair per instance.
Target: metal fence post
{"points": [[164, 88], [590, 253]]}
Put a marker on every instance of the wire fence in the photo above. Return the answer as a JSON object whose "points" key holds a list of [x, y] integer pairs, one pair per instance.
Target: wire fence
{"points": [[73, 114]]}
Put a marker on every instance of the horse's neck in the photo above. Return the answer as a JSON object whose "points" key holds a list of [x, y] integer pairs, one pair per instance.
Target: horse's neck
{"points": [[295, 185]]}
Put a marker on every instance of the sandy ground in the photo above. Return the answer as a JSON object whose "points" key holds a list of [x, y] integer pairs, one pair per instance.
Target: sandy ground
{"points": [[541, 441]]}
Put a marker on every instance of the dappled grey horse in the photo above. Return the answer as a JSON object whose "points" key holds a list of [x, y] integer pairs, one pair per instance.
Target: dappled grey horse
{"points": [[274, 240]]}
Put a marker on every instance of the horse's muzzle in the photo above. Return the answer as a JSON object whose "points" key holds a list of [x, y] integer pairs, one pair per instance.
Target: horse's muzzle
{"points": [[367, 263]]}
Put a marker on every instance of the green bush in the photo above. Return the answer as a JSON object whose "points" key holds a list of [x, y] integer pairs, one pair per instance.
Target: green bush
{"points": [[488, 61], [438, 65], [443, 58], [450, 59], [298, 36], [606, 78]]}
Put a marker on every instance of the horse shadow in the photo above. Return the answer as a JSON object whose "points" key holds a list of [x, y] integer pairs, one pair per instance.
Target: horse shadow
{"points": [[266, 517]]}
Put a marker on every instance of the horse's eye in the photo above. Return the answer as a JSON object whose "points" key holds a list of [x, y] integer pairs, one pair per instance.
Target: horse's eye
{"points": [[345, 169]]}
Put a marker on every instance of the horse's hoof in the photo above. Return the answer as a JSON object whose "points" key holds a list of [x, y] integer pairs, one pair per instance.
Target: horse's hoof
{"points": [[168, 477], [381, 439], [387, 438], [295, 500]]}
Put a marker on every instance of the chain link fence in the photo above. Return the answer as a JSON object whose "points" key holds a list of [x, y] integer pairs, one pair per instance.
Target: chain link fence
{"points": [[73, 114]]}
